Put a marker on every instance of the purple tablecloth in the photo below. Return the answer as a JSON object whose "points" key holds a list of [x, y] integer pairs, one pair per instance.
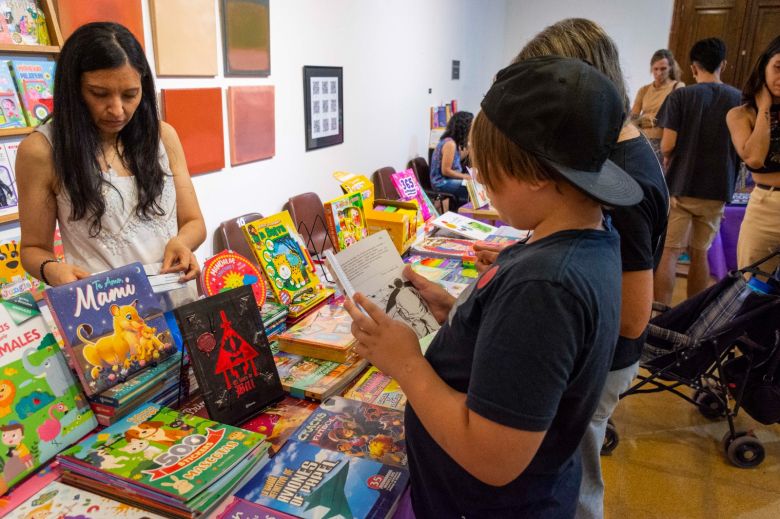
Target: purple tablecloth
{"points": [[404, 509], [722, 255]]}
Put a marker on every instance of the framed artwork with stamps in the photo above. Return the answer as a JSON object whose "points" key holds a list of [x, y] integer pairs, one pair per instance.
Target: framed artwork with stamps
{"points": [[323, 105]]}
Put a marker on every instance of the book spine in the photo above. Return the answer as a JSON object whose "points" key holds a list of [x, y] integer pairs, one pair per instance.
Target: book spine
{"points": [[341, 276], [331, 223], [454, 106]]}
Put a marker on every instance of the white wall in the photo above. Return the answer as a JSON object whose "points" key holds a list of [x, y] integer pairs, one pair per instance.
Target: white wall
{"points": [[639, 28]]}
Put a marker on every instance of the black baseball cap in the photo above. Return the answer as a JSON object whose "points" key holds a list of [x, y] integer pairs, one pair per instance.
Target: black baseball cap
{"points": [[569, 115]]}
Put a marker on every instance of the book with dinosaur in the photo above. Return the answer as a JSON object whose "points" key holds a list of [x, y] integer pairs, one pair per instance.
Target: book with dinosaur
{"points": [[280, 420], [164, 458], [35, 85], [346, 220], [312, 378], [326, 333], [286, 262], [374, 387], [357, 429], [42, 407], [229, 351], [59, 500], [112, 326], [307, 481]]}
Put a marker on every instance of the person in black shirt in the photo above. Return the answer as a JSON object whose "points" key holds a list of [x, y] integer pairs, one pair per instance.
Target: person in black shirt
{"points": [[498, 404]]}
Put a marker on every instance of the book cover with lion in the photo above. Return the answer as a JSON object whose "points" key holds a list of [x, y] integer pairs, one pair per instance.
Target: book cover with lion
{"points": [[112, 326]]}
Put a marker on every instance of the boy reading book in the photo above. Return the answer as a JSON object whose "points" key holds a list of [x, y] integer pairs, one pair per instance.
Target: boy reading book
{"points": [[498, 404]]}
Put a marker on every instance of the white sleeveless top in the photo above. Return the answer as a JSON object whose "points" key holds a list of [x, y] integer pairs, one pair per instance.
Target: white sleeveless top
{"points": [[124, 237]]}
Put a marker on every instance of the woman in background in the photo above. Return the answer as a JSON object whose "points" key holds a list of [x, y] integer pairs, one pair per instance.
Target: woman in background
{"points": [[755, 132], [105, 168], [447, 170], [666, 75]]}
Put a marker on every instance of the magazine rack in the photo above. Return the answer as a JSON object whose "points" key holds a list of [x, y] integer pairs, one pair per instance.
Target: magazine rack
{"points": [[312, 246]]}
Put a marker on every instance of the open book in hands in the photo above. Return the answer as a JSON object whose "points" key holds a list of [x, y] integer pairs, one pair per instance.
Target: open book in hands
{"points": [[373, 267]]}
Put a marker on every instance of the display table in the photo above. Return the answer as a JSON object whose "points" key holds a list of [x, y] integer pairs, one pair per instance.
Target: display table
{"points": [[486, 214], [722, 256]]}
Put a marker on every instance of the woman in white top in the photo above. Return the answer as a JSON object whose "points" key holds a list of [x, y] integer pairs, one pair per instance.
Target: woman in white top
{"points": [[666, 75], [105, 168]]}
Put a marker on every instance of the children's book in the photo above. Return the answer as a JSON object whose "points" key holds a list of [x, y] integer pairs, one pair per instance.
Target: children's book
{"points": [[14, 280], [325, 334], [357, 429], [286, 262], [242, 509], [22, 22], [112, 326], [374, 387], [346, 220], [228, 348], [42, 408], [127, 390], [351, 183], [8, 197], [409, 188], [279, 421], [373, 267], [227, 270], [315, 379], [477, 192], [28, 488], [11, 115], [158, 455], [307, 481], [59, 500], [464, 226], [502, 238], [35, 85], [437, 247]]}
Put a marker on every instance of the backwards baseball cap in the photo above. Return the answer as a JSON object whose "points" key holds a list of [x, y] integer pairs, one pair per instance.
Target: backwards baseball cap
{"points": [[569, 115]]}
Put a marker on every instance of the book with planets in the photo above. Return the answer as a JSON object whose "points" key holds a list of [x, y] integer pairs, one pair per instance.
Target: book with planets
{"points": [[112, 326]]}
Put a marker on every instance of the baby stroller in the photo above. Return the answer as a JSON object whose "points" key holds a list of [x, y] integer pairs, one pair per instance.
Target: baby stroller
{"points": [[724, 344]]}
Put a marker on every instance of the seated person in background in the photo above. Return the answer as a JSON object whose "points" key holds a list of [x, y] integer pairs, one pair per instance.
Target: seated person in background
{"points": [[447, 170], [500, 401], [106, 168]]}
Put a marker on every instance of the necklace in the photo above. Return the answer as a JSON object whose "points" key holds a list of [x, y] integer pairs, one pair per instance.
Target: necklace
{"points": [[110, 163]]}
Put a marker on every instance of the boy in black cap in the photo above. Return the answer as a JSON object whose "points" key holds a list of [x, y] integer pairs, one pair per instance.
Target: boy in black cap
{"points": [[499, 403]]}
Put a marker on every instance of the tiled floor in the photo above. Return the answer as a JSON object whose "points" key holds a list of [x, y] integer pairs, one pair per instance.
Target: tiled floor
{"points": [[669, 464]]}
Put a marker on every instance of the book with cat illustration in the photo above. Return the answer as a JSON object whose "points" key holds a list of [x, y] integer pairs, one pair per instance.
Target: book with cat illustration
{"points": [[374, 268], [229, 351], [111, 325]]}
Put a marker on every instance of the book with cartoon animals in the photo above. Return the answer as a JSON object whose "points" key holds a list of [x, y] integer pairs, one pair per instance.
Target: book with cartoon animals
{"points": [[229, 351], [112, 326], [42, 408], [286, 262], [346, 220], [374, 268], [165, 460]]}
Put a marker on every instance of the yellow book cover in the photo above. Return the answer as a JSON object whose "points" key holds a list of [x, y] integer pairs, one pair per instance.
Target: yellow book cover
{"points": [[346, 220]]}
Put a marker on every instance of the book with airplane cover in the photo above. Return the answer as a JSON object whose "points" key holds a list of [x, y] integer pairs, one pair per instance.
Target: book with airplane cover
{"points": [[408, 188], [315, 379], [346, 220], [241, 509], [11, 114], [357, 429], [227, 270], [59, 500], [111, 325], [441, 247], [381, 279], [229, 351], [325, 334], [464, 226], [42, 407], [374, 387], [280, 420], [161, 457], [286, 262], [307, 481], [35, 85]]}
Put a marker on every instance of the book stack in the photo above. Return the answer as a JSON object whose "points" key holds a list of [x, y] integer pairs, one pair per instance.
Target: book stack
{"points": [[323, 334], [165, 461], [374, 387], [274, 318]]}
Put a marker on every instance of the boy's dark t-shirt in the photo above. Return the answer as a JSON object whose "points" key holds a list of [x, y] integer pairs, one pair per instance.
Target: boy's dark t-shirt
{"points": [[704, 162], [530, 345], [642, 227]]}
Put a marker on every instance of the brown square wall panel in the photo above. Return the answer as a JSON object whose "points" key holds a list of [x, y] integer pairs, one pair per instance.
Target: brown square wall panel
{"points": [[251, 123], [196, 114], [246, 37], [184, 49]]}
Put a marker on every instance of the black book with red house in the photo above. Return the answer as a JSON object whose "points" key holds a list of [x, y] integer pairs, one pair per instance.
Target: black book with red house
{"points": [[230, 354]]}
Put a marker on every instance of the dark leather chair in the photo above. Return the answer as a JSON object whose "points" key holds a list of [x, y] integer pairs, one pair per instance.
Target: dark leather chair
{"points": [[383, 184], [308, 216], [423, 172], [230, 236]]}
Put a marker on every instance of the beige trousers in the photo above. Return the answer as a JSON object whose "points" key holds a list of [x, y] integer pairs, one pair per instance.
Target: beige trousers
{"points": [[760, 230]]}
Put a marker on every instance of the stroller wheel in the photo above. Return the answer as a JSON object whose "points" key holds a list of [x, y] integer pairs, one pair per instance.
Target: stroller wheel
{"points": [[746, 452], [711, 403], [611, 439], [725, 442]]}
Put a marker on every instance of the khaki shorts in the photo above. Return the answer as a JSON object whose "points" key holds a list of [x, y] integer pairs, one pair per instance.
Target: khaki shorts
{"points": [[693, 222], [760, 231]]}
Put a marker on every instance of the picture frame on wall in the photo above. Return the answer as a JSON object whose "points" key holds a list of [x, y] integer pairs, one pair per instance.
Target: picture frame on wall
{"points": [[246, 37], [323, 106]]}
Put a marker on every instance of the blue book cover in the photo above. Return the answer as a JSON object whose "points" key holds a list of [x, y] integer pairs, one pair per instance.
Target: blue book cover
{"points": [[309, 482], [111, 325]]}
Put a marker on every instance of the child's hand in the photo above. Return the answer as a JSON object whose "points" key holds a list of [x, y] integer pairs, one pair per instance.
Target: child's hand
{"points": [[439, 300], [388, 344], [485, 258]]}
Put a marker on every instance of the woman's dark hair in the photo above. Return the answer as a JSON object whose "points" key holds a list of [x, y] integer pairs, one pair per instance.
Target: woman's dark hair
{"points": [[674, 69], [76, 141], [757, 78], [458, 128]]}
